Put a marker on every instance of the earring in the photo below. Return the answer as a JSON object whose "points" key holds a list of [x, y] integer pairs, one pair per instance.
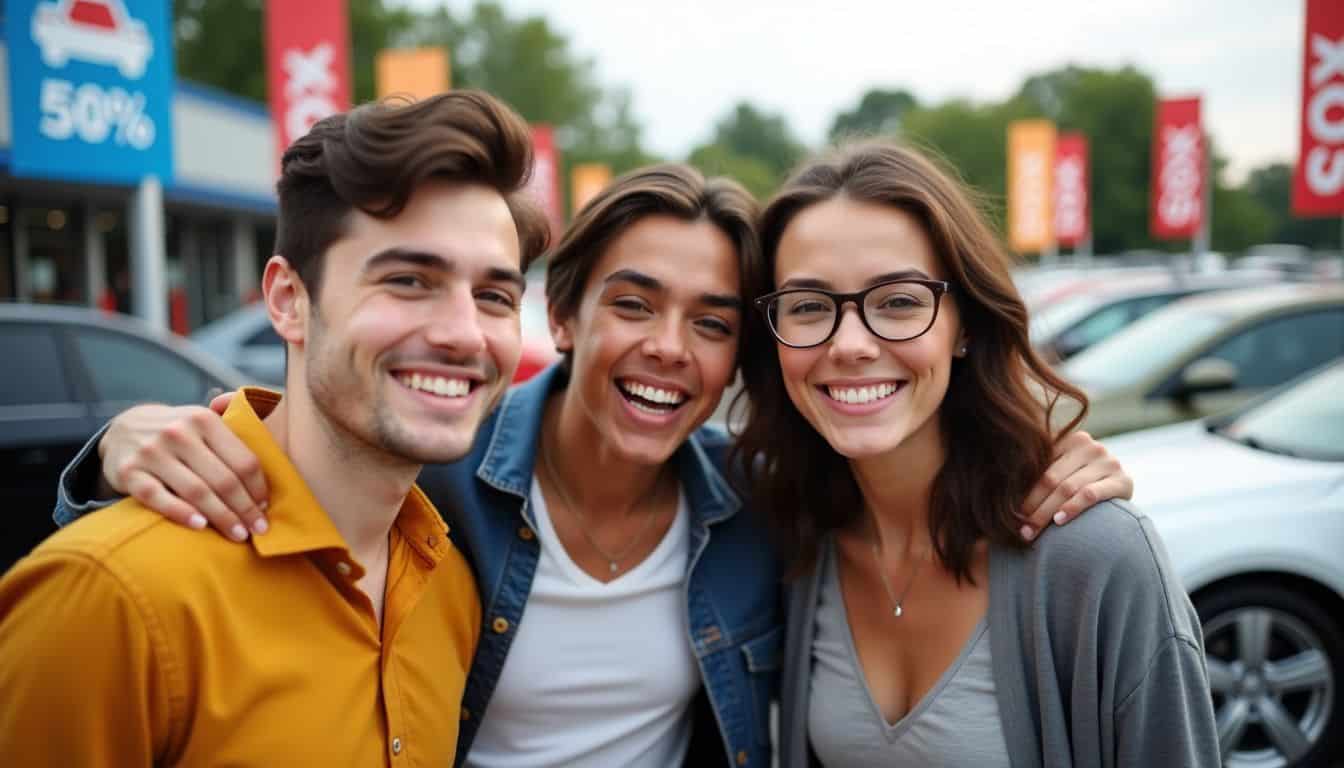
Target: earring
{"points": [[962, 352]]}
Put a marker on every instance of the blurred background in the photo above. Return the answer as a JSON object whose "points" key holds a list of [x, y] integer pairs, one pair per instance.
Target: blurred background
{"points": [[1170, 181]]}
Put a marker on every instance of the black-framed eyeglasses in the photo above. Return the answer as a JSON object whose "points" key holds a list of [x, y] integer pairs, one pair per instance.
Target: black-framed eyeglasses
{"points": [[895, 310]]}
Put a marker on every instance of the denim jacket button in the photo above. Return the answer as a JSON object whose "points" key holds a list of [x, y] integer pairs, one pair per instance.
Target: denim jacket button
{"points": [[742, 757], [500, 625], [526, 533]]}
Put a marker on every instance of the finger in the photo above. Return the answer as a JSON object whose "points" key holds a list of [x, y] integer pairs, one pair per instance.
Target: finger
{"points": [[220, 403], [1071, 453], [184, 483], [1110, 487], [234, 472], [1076, 488], [147, 490]]}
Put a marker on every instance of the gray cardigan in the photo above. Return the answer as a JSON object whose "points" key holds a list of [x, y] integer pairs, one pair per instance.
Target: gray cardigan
{"points": [[1097, 653]]}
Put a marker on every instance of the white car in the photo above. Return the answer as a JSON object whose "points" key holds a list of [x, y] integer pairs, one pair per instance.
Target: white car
{"points": [[1251, 507], [95, 31]]}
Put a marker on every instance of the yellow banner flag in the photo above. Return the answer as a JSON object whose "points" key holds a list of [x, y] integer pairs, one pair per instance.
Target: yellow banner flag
{"points": [[585, 181], [414, 72], [1031, 163]]}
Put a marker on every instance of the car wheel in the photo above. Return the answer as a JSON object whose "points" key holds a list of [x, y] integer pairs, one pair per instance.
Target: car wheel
{"points": [[1276, 667]]}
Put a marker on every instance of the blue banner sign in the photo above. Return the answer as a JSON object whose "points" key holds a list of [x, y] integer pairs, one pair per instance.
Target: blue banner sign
{"points": [[90, 89]]}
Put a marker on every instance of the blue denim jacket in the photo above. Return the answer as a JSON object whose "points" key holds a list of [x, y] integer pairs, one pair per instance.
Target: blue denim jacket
{"points": [[732, 582]]}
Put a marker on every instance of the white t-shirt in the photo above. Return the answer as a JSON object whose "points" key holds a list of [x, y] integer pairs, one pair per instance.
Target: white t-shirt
{"points": [[599, 674]]}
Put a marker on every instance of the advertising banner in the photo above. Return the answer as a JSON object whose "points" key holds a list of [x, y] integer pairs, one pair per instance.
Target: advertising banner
{"points": [[1031, 163], [1318, 181], [416, 72], [1177, 195], [585, 181], [544, 186], [90, 89], [307, 64], [1071, 190]]}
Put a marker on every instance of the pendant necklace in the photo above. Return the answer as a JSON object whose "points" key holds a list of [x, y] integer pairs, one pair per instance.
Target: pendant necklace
{"points": [[613, 558], [897, 603]]}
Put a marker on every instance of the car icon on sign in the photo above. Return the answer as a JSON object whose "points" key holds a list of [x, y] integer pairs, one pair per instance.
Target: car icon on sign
{"points": [[95, 31]]}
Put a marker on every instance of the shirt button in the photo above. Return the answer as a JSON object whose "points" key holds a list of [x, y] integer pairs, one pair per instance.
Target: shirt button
{"points": [[396, 746], [432, 541], [500, 625], [343, 568], [742, 757], [526, 533]]}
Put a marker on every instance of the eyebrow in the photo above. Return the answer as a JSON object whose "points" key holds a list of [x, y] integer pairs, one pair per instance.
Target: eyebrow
{"points": [[651, 283], [430, 260], [808, 282]]}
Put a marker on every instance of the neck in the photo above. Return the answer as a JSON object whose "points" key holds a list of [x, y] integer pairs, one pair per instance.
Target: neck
{"points": [[896, 489], [360, 489], [593, 475]]}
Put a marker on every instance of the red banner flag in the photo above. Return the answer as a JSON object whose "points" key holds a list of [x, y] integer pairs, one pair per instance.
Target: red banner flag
{"points": [[1071, 185], [1318, 182], [1177, 204], [307, 64], [545, 182]]}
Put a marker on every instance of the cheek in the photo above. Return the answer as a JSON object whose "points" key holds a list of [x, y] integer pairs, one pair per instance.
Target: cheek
{"points": [[794, 365], [376, 324]]}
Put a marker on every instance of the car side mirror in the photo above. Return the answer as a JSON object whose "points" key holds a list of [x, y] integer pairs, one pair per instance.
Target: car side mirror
{"points": [[1068, 345], [1208, 374]]}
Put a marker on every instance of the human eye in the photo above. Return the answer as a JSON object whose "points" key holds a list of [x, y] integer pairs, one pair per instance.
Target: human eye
{"points": [[407, 280], [630, 305], [717, 326], [498, 298], [805, 305], [900, 298]]}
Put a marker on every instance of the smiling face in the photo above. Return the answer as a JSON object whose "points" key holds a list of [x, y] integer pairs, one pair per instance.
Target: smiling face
{"points": [[654, 338], [415, 333], [865, 396]]}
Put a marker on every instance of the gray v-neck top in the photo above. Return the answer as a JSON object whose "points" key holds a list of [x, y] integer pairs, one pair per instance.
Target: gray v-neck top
{"points": [[955, 724]]}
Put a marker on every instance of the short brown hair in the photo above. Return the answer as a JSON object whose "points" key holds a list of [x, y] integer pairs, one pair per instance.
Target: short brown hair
{"points": [[375, 156], [997, 430], [669, 189]]}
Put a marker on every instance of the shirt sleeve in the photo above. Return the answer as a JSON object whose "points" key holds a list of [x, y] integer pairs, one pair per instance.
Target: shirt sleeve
{"points": [[78, 667], [1168, 720], [78, 487]]}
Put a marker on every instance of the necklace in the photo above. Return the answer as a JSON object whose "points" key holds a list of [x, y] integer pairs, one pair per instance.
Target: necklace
{"points": [[896, 603], [613, 558]]}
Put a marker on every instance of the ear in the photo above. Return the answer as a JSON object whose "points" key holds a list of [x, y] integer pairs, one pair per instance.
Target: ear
{"points": [[562, 331], [287, 300]]}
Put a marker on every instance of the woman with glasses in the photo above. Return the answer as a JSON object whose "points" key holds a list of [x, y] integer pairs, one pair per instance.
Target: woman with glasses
{"points": [[630, 600], [898, 418]]}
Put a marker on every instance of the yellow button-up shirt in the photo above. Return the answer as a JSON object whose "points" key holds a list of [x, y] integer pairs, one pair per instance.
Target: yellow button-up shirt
{"points": [[127, 640]]}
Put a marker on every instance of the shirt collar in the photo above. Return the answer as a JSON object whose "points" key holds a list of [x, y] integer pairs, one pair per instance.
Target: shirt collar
{"points": [[298, 523]]}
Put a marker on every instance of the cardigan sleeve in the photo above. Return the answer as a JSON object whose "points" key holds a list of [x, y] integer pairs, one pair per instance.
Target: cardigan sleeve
{"points": [[1168, 719]]}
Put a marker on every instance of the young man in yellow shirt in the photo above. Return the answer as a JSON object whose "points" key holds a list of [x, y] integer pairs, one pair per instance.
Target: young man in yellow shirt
{"points": [[342, 637]]}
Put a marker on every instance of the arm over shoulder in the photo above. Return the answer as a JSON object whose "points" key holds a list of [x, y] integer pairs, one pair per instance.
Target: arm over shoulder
{"points": [[78, 667]]}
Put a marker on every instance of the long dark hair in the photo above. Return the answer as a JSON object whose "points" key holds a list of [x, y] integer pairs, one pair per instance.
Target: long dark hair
{"points": [[994, 417]]}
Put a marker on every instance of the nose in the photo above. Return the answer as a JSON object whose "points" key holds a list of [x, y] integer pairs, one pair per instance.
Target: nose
{"points": [[455, 324], [852, 342], [667, 341]]}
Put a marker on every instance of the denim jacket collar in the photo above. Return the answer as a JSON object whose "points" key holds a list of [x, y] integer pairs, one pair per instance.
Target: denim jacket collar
{"points": [[512, 453]]}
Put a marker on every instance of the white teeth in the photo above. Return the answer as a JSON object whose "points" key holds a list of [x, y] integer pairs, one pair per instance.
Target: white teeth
{"points": [[653, 394], [862, 395], [437, 385]]}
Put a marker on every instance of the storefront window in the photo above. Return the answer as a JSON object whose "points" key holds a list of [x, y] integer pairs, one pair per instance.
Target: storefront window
{"points": [[55, 265]]}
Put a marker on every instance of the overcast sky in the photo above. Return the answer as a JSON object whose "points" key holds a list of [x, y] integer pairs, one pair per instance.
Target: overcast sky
{"points": [[689, 61]]}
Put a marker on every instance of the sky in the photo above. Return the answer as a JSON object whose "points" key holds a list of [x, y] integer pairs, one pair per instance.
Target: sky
{"points": [[688, 62]]}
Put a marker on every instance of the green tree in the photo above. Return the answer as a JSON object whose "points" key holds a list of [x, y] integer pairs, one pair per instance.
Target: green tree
{"points": [[720, 160], [879, 113], [1272, 187], [755, 147]]}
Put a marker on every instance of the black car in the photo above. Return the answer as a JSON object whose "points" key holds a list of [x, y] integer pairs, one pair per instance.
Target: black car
{"points": [[67, 371]]}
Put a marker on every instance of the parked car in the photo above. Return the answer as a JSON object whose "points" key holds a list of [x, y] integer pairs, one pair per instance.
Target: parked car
{"points": [[1251, 508], [246, 340], [1071, 325], [69, 371], [1207, 354]]}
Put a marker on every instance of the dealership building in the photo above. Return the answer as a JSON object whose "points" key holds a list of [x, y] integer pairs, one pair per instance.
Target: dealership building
{"points": [[67, 235]]}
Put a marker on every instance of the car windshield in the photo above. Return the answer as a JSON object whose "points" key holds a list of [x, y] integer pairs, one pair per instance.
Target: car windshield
{"points": [[1060, 315], [1153, 342], [1305, 420]]}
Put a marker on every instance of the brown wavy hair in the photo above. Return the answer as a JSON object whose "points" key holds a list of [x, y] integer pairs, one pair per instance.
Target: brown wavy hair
{"points": [[375, 156], [994, 419], [667, 189]]}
